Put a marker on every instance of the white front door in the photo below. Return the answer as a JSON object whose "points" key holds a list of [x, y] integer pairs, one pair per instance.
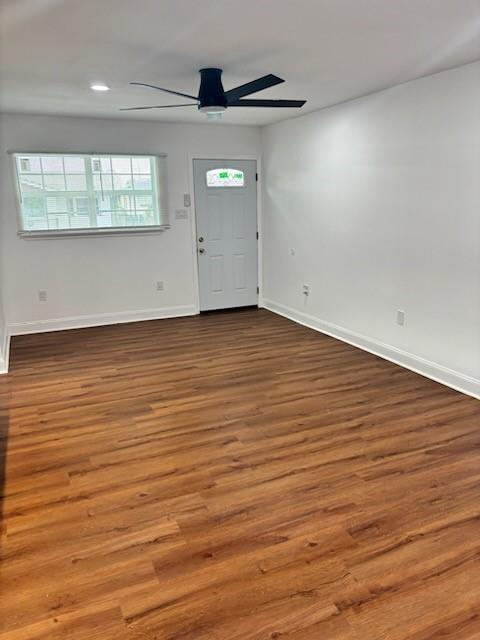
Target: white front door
{"points": [[226, 213]]}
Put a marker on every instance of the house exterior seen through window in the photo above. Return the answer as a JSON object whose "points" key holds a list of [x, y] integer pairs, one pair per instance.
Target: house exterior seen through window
{"points": [[61, 193]]}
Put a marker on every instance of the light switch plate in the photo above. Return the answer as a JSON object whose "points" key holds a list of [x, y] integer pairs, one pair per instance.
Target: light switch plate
{"points": [[186, 200]]}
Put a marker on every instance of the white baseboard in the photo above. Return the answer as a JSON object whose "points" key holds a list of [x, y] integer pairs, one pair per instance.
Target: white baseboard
{"points": [[5, 353], [81, 322], [432, 370]]}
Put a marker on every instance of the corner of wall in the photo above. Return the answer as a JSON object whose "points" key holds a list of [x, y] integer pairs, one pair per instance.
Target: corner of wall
{"points": [[5, 353]]}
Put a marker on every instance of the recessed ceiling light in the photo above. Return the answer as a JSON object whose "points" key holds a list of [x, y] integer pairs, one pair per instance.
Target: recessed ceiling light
{"points": [[99, 86]]}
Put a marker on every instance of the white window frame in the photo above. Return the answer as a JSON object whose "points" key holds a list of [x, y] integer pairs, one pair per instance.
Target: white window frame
{"points": [[161, 186]]}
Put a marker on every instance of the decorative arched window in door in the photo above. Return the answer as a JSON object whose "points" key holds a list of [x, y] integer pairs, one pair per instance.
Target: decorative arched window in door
{"points": [[225, 178]]}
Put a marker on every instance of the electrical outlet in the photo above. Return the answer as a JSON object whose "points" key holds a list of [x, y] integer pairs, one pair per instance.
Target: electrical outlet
{"points": [[42, 295], [181, 214], [160, 286], [306, 289], [400, 318]]}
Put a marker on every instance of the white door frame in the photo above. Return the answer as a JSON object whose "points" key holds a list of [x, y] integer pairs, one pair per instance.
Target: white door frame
{"points": [[193, 218]]}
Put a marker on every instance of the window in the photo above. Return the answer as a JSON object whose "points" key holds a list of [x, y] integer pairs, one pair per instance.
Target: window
{"points": [[90, 193], [225, 178]]}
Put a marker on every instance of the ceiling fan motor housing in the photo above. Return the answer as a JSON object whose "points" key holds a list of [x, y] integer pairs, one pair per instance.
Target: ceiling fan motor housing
{"points": [[211, 94]]}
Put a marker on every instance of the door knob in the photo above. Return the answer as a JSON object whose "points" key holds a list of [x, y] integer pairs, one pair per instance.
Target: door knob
{"points": [[201, 239], [202, 250]]}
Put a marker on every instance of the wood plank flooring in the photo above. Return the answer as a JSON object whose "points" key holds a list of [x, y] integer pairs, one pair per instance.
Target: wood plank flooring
{"points": [[234, 476]]}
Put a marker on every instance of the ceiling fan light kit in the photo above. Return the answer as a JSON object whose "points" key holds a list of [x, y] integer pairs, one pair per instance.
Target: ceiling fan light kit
{"points": [[214, 116], [213, 100]]}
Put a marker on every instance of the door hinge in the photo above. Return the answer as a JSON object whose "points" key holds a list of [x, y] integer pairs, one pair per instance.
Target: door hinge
{"points": [[256, 177], [258, 289], [257, 235]]}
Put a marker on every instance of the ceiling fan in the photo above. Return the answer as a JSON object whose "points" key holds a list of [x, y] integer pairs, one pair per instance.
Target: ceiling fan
{"points": [[212, 98]]}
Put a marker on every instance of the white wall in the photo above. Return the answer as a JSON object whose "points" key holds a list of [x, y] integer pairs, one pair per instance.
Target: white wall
{"points": [[3, 331], [379, 198], [4, 341], [104, 279]]}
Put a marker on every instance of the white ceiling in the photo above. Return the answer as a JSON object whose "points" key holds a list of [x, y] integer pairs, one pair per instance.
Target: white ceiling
{"points": [[327, 50]]}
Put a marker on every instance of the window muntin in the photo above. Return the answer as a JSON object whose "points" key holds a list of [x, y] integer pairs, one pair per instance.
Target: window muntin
{"points": [[225, 178], [60, 192]]}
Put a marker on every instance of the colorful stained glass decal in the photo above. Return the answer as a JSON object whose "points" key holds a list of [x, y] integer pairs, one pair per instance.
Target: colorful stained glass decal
{"points": [[225, 178]]}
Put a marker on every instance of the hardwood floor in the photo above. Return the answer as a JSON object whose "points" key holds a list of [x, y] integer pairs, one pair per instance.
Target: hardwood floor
{"points": [[234, 476]]}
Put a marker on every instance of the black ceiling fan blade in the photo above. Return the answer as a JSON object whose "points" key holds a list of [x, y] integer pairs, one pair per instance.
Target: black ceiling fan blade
{"points": [[160, 106], [175, 93], [267, 103], [252, 87]]}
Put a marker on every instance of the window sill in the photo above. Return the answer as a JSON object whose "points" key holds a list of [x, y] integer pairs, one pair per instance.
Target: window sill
{"points": [[75, 233]]}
